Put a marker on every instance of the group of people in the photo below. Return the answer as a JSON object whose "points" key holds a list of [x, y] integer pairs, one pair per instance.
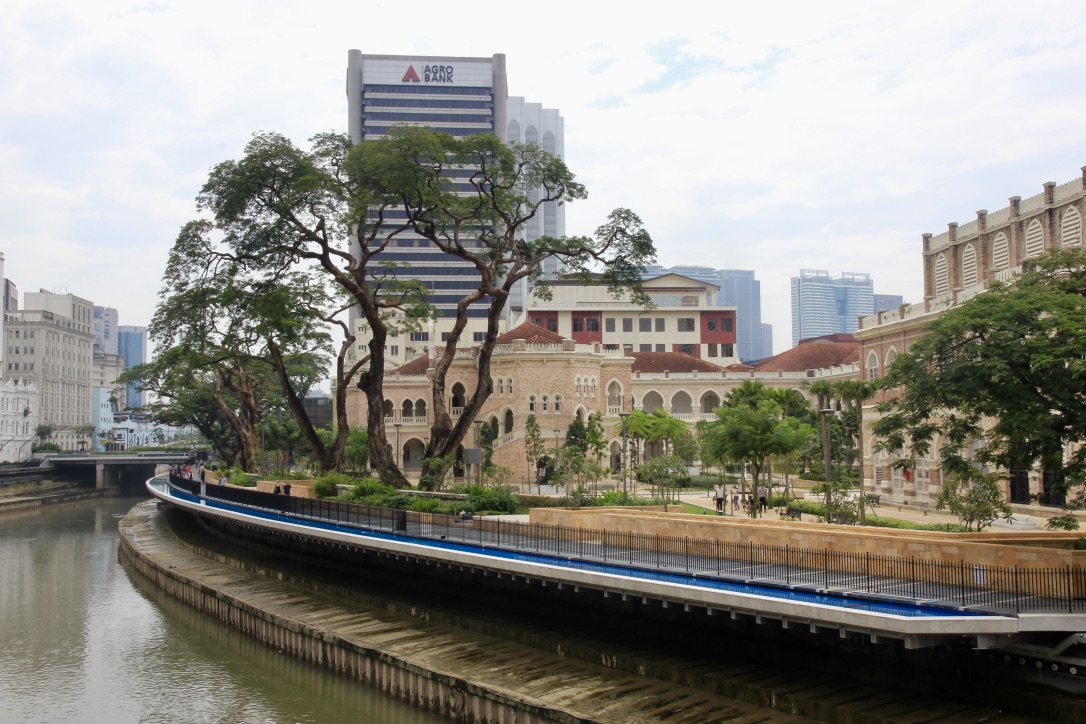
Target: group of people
{"points": [[720, 496], [199, 473], [284, 490]]}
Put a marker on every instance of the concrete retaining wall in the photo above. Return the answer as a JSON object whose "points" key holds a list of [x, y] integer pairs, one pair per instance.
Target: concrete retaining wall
{"points": [[446, 695]]}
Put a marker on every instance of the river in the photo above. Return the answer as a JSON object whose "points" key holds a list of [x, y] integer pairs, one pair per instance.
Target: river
{"points": [[85, 641]]}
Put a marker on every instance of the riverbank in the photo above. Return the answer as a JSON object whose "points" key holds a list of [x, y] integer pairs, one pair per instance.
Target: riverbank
{"points": [[461, 674], [49, 493]]}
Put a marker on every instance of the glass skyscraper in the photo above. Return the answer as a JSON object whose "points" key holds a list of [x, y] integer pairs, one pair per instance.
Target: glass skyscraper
{"points": [[824, 304], [132, 345]]}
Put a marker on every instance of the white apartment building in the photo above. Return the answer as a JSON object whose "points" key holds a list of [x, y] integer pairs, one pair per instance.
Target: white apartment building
{"points": [[50, 343], [685, 318]]}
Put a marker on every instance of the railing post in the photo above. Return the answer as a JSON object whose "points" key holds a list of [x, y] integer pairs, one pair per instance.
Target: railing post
{"points": [[1017, 598], [686, 551], [826, 568], [787, 566], [867, 571], [961, 579], [1070, 592], [751, 574]]}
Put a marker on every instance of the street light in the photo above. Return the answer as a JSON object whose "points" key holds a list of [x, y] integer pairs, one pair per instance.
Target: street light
{"points": [[624, 416], [478, 465]]}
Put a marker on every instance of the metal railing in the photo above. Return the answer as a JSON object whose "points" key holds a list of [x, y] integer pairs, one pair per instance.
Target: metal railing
{"points": [[1000, 589]]}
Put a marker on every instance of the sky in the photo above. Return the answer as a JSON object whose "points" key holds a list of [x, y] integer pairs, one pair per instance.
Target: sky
{"points": [[767, 136]]}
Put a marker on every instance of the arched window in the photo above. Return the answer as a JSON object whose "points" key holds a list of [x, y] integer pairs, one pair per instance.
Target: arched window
{"points": [[890, 357], [407, 407], [577, 385], [557, 403], [969, 265], [1071, 227], [942, 275], [593, 384], [510, 386], [388, 408], [548, 143], [1035, 239], [531, 135], [544, 403], [501, 386], [458, 395], [420, 409], [652, 401], [1001, 252], [709, 402], [513, 132], [531, 404], [508, 421], [614, 394], [872, 366]]}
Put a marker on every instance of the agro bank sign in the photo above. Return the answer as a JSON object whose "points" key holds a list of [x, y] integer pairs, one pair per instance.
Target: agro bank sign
{"points": [[428, 71]]}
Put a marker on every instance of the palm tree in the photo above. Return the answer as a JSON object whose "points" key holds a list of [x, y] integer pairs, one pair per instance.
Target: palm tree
{"points": [[792, 404]]}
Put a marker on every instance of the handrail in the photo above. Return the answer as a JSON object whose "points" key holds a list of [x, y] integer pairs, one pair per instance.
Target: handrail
{"points": [[948, 584]]}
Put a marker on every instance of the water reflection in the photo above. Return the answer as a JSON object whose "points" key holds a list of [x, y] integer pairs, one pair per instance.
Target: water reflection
{"points": [[85, 641]]}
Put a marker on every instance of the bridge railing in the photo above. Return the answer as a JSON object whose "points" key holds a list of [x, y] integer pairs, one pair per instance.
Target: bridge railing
{"points": [[1006, 588]]}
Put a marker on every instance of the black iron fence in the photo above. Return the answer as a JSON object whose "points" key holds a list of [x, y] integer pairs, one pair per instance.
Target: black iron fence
{"points": [[956, 584]]}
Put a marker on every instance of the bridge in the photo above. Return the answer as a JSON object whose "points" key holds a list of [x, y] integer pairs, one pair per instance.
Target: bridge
{"points": [[930, 607], [108, 470]]}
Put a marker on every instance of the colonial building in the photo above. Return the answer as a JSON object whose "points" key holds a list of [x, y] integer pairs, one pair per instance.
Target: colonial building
{"points": [[958, 264], [19, 402], [540, 372]]}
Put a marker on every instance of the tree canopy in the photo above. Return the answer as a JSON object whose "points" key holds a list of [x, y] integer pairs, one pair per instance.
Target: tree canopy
{"points": [[337, 208], [999, 379]]}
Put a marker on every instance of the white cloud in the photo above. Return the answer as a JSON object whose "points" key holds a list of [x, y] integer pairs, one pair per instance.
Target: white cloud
{"points": [[770, 137]]}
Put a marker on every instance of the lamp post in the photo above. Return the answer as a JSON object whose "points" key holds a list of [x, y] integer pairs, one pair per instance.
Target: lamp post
{"points": [[624, 416], [399, 460], [826, 456], [555, 468], [478, 465]]}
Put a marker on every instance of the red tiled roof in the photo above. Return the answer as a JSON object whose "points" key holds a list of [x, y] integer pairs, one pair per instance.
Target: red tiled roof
{"points": [[739, 367], [670, 362], [531, 333], [416, 366], [814, 354]]}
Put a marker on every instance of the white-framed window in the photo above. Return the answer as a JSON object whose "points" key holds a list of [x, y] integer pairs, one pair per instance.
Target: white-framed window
{"points": [[873, 366]]}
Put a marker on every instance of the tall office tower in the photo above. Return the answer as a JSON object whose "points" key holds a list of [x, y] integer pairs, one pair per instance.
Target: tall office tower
{"points": [[105, 328], [459, 96], [767, 340], [531, 123], [11, 295], [822, 304], [739, 289], [50, 344], [132, 345]]}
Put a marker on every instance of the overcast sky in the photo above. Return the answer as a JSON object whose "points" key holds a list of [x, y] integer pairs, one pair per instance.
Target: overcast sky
{"points": [[765, 136]]}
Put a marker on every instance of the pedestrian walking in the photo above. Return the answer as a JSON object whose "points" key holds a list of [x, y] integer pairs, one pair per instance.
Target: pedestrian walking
{"points": [[718, 495], [763, 493], [735, 499], [286, 489]]}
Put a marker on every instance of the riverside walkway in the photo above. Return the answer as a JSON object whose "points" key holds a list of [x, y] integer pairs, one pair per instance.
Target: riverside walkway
{"points": [[914, 601]]}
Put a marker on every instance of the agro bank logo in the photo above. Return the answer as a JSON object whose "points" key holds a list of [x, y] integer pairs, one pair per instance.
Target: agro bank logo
{"points": [[430, 74]]}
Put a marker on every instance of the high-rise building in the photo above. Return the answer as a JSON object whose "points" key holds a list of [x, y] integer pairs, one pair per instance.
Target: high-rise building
{"points": [[460, 96], [531, 123], [132, 345], [106, 320], [739, 289], [824, 304]]}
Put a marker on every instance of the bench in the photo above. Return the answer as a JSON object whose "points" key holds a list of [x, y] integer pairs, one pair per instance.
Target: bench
{"points": [[873, 500], [791, 512]]}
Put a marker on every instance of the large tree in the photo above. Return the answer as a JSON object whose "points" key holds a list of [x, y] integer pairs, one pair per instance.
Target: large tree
{"points": [[752, 428], [340, 207], [999, 379]]}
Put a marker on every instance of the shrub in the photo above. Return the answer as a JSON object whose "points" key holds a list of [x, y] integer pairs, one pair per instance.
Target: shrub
{"points": [[496, 499], [614, 497], [367, 487], [328, 486]]}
